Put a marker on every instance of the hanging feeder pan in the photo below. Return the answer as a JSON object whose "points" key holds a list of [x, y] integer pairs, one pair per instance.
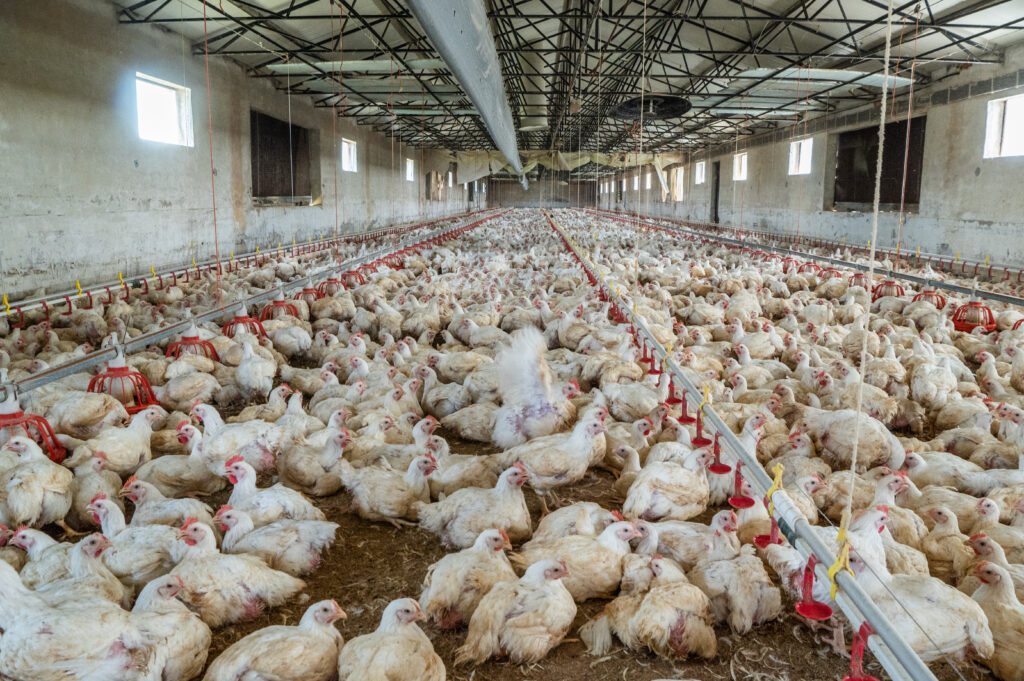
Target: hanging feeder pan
{"points": [[809, 267], [887, 288], [243, 322], [15, 422], [308, 294], [972, 315], [127, 386], [279, 306], [330, 287], [860, 279], [191, 344], [789, 264], [830, 273], [933, 297]]}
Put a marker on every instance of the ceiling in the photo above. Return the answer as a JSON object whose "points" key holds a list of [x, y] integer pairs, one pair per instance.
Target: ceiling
{"points": [[744, 65]]}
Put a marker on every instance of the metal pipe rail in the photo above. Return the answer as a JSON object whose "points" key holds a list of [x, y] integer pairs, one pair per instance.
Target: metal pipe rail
{"points": [[104, 354], [898, 659], [736, 243], [954, 265], [69, 295]]}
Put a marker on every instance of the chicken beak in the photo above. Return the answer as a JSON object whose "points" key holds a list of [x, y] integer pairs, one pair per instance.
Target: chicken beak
{"points": [[420, 615], [339, 614]]}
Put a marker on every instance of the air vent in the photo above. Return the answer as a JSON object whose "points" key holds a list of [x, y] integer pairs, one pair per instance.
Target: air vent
{"points": [[654, 106]]}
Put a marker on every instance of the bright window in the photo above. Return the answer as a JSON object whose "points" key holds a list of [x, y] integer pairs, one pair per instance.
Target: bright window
{"points": [[623, 184], [410, 170], [636, 183], [1004, 129], [678, 185], [739, 167], [698, 173], [348, 156], [647, 180], [800, 157], [165, 111], [483, 187], [450, 179]]}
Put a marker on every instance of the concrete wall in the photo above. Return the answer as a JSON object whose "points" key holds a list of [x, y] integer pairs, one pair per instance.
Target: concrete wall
{"points": [[81, 196], [542, 193], [969, 204]]}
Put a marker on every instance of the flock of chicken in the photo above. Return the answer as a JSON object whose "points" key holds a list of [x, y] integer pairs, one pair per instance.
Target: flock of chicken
{"points": [[498, 338]]}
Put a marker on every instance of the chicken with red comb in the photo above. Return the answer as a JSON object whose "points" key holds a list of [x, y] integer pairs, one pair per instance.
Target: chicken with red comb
{"points": [[454, 585], [522, 619], [459, 518]]}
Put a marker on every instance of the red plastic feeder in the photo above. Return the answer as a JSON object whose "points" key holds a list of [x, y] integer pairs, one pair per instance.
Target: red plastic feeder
{"points": [[190, 344], [972, 315], [737, 500], [125, 385], [763, 540], [330, 287], [789, 264], [773, 257], [685, 416], [809, 267], [933, 297], [887, 288], [860, 279], [701, 440], [15, 422], [308, 294], [830, 273], [243, 322], [860, 639], [808, 607], [717, 467], [278, 305]]}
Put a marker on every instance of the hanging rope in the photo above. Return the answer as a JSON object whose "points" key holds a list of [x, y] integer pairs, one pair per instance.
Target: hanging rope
{"points": [[213, 186], [906, 150]]}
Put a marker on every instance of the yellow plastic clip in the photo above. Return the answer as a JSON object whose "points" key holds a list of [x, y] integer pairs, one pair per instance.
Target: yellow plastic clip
{"points": [[707, 397], [257, 249], [957, 256], [844, 521], [919, 251], [776, 486], [152, 270], [7, 306], [79, 287], [843, 241], [193, 261], [842, 563], [986, 260], [120, 278], [232, 255]]}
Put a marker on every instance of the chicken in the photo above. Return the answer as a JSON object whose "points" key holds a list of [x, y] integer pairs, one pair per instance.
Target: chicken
{"points": [[268, 504], [137, 555], [225, 588], [595, 563], [382, 493], [668, 615], [88, 579], [179, 638], [255, 441], [36, 491], [255, 374], [631, 401], [397, 651], [945, 547], [48, 561], [665, 489], [523, 620], [1005, 616], [455, 471], [740, 591], [125, 448], [82, 415], [91, 479], [292, 546], [584, 517], [833, 433], [989, 550], [557, 460], [273, 409], [458, 519], [153, 508], [315, 470], [307, 651], [933, 618], [175, 475], [454, 585], [530, 406], [687, 543]]}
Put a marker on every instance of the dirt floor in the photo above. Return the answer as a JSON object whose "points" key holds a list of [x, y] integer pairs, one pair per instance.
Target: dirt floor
{"points": [[371, 564]]}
